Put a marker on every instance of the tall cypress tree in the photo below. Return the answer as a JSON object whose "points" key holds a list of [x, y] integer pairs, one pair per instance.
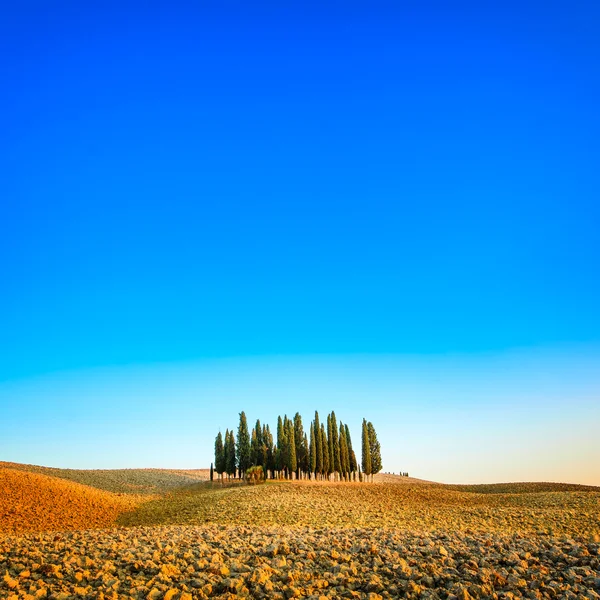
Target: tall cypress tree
{"points": [[231, 457], [268, 450], [326, 466], [292, 461], [366, 450], [318, 446], [278, 452], [256, 445], [312, 467], [226, 451], [375, 449], [344, 458], [330, 437], [220, 460], [305, 466], [254, 451], [243, 448], [337, 463], [299, 438], [351, 455]]}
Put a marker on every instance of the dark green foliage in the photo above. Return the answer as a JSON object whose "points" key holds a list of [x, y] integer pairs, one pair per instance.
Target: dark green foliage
{"points": [[279, 458], [291, 458], [243, 445], [312, 450], [230, 458], [268, 451], [330, 436], [319, 470], [301, 446], [220, 458], [211, 472], [253, 448], [375, 449], [298, 453], [256, 446], [305, 465], [336, 466], [366, 450], [351, 455], [326, 470], [344, 457]]}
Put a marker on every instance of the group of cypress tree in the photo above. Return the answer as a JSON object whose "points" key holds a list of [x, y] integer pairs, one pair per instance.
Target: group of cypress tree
{"points": [[324, 452]]}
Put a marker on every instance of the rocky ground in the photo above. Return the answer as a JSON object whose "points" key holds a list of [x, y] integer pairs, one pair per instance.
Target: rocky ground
{"points": [[398, 537], [186, 562]]}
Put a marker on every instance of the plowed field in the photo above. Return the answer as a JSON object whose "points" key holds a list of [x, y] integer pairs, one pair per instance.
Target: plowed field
{"points": [[34, 502], [397, 537]]}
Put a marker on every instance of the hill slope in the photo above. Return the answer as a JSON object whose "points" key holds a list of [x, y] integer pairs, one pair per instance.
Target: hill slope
{"points": [[121, 481], [34, 502], [413, 507]]}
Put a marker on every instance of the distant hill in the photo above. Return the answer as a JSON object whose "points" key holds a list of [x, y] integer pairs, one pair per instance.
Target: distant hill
{"points": [[528, 487], [122, 481]]}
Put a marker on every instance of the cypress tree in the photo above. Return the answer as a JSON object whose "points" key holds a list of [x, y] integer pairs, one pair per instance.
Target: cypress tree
{"points": [[305, 466], [278, 456], [326, 467], [312, 450], [254, 451], [366, 450], [331, 456], [284, 456], [226, 452], [375, 449], [344, 458], [230, 457], [211, 472], [351, 455], [337, 461], [292, 460], [243, 449], [220, 459], [256, 445], [268, 450], [300, 445], [318, 446]]}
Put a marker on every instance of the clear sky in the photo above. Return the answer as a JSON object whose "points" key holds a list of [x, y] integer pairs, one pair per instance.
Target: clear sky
{"points": [[389, 209]]}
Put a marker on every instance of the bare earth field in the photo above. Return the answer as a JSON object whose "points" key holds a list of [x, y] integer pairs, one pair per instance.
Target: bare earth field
{"points": [[171, 535], [122, 481]]}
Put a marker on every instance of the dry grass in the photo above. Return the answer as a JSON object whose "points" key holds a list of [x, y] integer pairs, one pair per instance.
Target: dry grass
{"points": [[522, 488], [410, 507], [122, 481], [34, 502]]}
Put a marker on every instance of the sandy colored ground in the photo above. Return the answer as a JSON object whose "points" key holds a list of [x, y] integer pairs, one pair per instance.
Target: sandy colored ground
{"points": [[34, 502], [395, 538], [417, 506]]}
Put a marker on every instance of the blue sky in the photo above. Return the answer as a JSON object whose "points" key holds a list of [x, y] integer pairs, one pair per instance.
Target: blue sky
{"points": [[268, 189]]}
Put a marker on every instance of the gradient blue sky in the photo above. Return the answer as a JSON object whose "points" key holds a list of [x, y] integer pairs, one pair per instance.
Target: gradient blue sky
{"points": [[383, 208]]}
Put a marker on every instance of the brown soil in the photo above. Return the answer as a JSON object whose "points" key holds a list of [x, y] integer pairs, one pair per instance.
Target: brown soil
{"points": [[34, 502], [216, 561]]}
